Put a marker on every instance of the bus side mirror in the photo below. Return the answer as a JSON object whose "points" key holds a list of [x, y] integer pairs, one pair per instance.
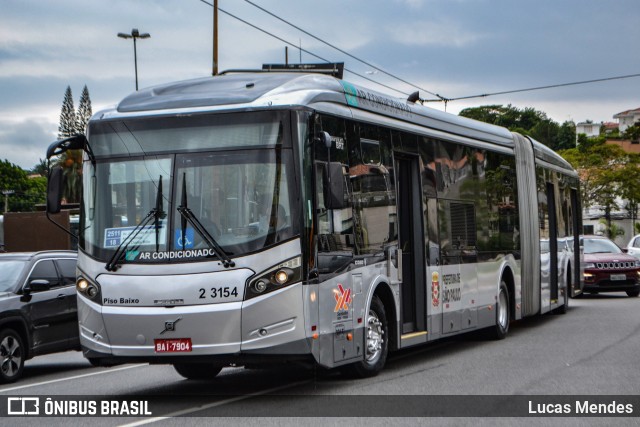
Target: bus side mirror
{"points": [[335, 186], [54, 190]]}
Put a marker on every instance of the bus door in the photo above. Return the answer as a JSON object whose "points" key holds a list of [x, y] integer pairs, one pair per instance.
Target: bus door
{"points": [[411, 232], [548, 247], [553, 243]]}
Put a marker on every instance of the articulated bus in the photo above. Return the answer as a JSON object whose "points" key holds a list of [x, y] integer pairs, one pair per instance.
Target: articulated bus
{"points": [[255, 218]]}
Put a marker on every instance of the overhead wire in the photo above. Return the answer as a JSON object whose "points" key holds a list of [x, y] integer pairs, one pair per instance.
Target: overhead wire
{"points": [[343, 51], [539, 88], [440, 98], [303, 50]]}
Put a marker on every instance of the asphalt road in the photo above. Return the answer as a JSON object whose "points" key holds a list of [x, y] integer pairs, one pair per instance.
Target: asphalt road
{"points": [[592, 350]]}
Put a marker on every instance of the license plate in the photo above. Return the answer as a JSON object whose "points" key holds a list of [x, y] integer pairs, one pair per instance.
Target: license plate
{"points": [[618, 277], [172, 345]]}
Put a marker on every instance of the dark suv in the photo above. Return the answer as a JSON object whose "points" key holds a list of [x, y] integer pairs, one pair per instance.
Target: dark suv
{"points": [[38, 310], [607, 268]]}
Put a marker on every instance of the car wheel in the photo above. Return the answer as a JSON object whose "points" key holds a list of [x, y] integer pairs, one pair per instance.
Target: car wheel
{"points": [[633, 293], [376, 343], [197, 371], [12, 356]]}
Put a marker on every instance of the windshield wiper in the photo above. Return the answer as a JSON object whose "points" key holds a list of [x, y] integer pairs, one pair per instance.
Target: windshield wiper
{"points": [[157, 214], [188, 216]]}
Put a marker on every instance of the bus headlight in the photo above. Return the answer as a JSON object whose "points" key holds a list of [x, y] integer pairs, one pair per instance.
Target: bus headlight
{"points": [[277, 277], [260, 286], [88, 289], [282, 276]]}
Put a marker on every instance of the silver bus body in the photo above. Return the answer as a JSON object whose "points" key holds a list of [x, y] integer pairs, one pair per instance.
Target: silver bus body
{"points": [[338, 261]]}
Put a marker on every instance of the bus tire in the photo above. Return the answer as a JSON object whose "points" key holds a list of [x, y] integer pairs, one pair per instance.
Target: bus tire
{"points": [[564, 307], [501, 328], [376, 345], [197, 371], [12, 356]]}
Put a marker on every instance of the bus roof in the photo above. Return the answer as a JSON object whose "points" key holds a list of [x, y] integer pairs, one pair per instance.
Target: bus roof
{"points": [[261, 90], [264, 90]]}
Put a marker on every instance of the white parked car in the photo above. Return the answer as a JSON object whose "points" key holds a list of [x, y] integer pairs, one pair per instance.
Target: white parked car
{"points": [[633, 247]]}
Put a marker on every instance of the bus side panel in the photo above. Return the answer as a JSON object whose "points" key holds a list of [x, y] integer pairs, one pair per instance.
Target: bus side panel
{"points": [[274, 323]]}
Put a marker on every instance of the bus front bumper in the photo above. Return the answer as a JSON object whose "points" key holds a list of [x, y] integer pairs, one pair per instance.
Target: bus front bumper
{"points": [[265, 327]]}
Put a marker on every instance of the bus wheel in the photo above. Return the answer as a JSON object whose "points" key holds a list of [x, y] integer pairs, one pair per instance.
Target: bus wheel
{"points": [[12, 355], [500, 330], [376, 343], [197, 371], [564, 307]]}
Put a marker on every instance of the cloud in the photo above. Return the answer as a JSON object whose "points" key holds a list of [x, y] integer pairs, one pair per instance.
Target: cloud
{"points": [[425, 33], [25, 142]]}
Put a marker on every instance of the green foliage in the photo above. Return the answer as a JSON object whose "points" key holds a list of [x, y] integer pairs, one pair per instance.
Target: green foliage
{"points": [[607, 172], [632, 132], [71, 123], [26, 192], [67, 126], [566, 136], [613, 230], [84, 111], [40, 168], [526, 121]]}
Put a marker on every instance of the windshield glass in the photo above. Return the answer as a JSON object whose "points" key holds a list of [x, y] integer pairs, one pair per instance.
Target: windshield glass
{"points": [[119, 198], [241, 197], [10, 271], [595, 246]]}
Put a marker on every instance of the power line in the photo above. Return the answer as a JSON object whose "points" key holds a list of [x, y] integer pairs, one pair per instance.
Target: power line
{"points": [[541, 87], [341, 50], [440, 98], [303, 50]]}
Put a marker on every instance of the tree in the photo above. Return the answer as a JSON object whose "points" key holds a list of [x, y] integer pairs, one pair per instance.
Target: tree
{"points": [[71, 161], [40, 168], [632, 132], [566, 136], [527, 121], [84, 111], [26, 192], [606, 172], [67, 126]]}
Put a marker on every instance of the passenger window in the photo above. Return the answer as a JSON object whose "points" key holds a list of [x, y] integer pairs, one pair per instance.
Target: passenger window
{"points": [[45, 270], [67, 269]]}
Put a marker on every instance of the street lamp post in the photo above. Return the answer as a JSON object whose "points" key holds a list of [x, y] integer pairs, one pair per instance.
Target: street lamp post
{"points": [[135, 34]]}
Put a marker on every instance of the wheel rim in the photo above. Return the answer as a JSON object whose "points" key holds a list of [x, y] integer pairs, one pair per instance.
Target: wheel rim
{"points": [[502, 309], [11, 356], [374, 338]]}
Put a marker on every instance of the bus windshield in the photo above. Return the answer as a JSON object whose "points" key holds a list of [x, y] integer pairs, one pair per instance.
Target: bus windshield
{"points": [[236, 201]]}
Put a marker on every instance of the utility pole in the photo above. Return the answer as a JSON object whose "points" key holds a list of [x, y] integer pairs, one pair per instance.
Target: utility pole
{"points": [[6, 199], [215, 38]]}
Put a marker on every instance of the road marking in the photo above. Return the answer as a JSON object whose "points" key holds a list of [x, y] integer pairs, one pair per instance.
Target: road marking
{"points": [[71, 378], [212, 405]]}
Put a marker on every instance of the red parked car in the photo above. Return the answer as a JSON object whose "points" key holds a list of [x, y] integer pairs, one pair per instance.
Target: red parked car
{"points": [[607, 268]]}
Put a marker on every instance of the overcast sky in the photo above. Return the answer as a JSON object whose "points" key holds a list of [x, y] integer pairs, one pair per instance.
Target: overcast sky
{"points": [[455, 48]]}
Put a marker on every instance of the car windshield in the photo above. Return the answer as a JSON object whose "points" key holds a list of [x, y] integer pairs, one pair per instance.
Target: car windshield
{"points": [[598, 246], [10, 271]]}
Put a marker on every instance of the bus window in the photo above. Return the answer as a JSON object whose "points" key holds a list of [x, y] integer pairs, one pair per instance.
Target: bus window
{"points": [[334, 226]]}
